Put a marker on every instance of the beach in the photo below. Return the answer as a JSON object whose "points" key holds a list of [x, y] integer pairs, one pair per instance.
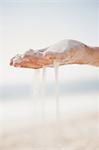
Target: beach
{"points": [[49, 108], [24, 126]]}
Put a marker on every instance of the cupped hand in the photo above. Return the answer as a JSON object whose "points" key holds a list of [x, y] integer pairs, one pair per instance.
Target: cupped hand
{"points": [[64, 52]]}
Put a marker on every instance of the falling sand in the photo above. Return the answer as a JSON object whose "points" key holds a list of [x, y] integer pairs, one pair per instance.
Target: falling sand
{"points": [[43, 86], [40, 89], [56, 66]]}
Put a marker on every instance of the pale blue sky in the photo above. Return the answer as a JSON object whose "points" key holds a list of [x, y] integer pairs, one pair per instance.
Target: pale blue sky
{"points": [[27, 24], [35, 24]]}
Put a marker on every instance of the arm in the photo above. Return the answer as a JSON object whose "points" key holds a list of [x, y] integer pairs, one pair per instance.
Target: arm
{"points": [[66, 52], [93, 58]]}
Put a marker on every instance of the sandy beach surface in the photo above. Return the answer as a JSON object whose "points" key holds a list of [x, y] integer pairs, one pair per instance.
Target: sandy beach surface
{"points": [[25, 126]]}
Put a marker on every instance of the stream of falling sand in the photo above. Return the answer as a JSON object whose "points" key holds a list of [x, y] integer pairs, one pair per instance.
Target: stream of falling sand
{"points": [[43, 92], [40, 90], [56, 68], [36, 92], [43, 89], [40, 101], [39, 93], [36, 84]]}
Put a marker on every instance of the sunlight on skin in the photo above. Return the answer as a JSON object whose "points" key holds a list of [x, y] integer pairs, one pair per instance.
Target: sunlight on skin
{"points": [[66, 52]]}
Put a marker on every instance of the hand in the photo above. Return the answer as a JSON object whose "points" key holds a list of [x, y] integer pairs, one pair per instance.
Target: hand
{"points": [[64, 52]]}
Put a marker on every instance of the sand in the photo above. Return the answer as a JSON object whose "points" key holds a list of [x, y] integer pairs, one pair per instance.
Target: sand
{"points": [[74, 133]]}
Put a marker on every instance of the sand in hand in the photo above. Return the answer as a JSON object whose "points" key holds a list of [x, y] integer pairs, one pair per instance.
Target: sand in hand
{"points": [[60, 133], [64, 52]]}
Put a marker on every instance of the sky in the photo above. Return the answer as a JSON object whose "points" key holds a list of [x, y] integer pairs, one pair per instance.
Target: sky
{"points": [[26, 24]]}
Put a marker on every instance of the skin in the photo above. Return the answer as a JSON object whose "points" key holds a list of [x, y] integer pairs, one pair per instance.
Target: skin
{"points": [[82, 54]]}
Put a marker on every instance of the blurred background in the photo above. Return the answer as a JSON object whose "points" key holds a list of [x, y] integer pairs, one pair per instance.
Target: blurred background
{"points": [[26, 24]]}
